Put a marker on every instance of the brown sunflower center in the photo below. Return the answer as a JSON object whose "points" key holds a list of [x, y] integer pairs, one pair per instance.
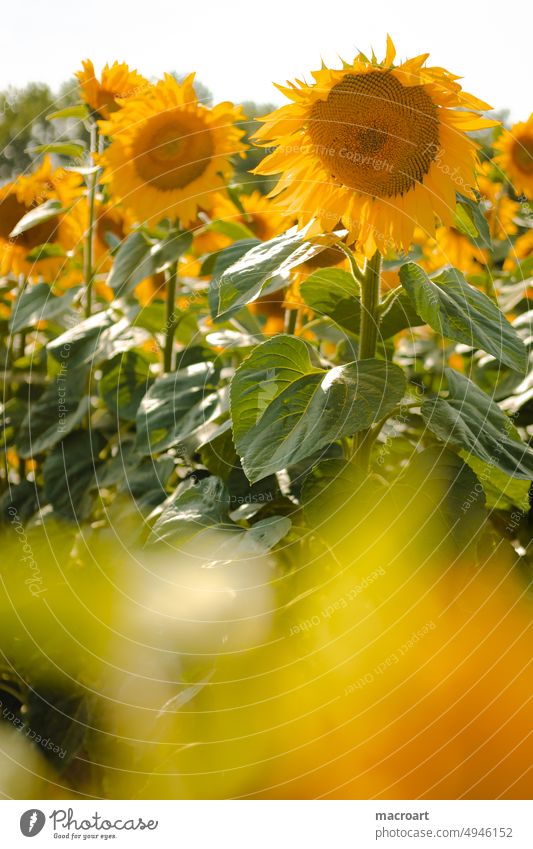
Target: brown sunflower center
{"points": [[523, 154], [172, 150], [374, 134], [11, 211]]}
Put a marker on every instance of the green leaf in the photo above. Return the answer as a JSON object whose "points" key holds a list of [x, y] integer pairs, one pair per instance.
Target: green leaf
{"points": [[65, 148], [58, 722], [138, 258], [284, 407], [331, 489], [502, 491], [70, 473], [193, 508], [243, 282], [334, 293], [234, 230], [36, 303], [125, 380], [38, 215], [78, 111], [60, 409], [468, 419], [470, 220], [131, 265], [458, 311], [46, 251], [97, 338], [447, 496], [177, 408]]}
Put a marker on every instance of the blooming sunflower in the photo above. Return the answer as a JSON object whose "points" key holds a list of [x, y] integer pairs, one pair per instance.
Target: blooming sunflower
{"points": [[169, 154], [501, 210], [522, 249], [378, 146], [450, 247], [514, 155], [23, 195], [116, 82]]}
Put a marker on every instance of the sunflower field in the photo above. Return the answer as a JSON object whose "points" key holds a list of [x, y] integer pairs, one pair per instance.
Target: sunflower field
{"points": [[267, 422]]}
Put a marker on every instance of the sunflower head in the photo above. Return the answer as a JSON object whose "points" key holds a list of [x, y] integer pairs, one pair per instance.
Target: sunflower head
{"points": [[169, 154], [377, 146], [20, 197], [514, 155], [117, 82]]}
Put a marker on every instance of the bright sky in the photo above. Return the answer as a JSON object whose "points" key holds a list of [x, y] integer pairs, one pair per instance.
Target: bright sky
{"points": [[238, 48]]}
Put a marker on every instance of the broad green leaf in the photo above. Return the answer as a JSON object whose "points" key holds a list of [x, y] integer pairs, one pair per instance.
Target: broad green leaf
{"points": [[36, 303], [70, 473], [234, 230], [458, 311], [469, 420], [132, 264], [125, 380], [97, 338], [332, 487], [47, 250], [284, 407], [61, 718], [243, 282], [138, 257], [78, 111], [443, 496], [65, 148], [59, 410], [193, 507], [164, 253], [502, 491], [177, 407], [38, 215], [334, 293], [470, 220]]}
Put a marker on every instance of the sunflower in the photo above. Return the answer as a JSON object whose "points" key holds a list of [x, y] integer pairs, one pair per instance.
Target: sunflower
{"points": [[23, 195], [169, 154], [377, 146], [117, 82], [514, 155], [522, 249], [450, 247], [501, 210]]}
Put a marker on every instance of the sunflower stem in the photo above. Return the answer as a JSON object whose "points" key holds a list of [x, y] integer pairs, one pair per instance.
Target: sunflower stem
{"points": [[172, 321], [88, 264], [368, 338], [290, 321]]}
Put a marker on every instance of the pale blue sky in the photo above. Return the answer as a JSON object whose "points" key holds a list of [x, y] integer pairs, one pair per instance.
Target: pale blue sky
{"points": [[238, 48]]}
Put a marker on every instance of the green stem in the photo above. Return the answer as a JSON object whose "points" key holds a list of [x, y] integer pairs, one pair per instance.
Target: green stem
{"points": [[172, 321], [369, 324], [89, 236], [368, 338], [290, 321]]}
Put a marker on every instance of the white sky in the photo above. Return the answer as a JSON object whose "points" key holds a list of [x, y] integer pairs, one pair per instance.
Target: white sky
{"points": [[238, 48]]}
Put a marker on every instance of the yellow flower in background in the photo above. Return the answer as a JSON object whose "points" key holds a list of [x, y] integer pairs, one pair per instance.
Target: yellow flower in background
{"points": [[375, 146], [116, 82], [20, 197], [169, 154], [522, 249], [500, 209], [260, 216], [450, 247], [514, 155]]}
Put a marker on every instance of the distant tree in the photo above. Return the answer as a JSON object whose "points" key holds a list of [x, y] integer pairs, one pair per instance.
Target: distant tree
{"points": [[23, 123]]}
